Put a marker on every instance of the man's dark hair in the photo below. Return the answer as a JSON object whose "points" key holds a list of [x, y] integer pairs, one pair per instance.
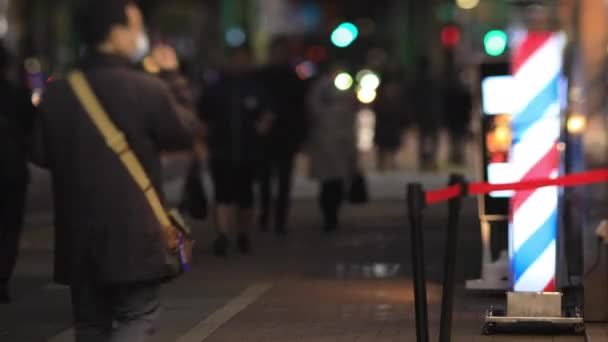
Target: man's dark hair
{"points": [[94, 18]]}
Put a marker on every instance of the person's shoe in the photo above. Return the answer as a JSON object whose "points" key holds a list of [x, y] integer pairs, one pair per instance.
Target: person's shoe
{"points": [[243, 244], [220, 246], [4, 297]]}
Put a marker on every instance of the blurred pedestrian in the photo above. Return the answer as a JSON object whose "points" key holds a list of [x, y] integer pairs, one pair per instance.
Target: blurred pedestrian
{"points": [[110, 248], [15, 123], [425, 102], [391, 119], [237, 114], [457, 108], [285, 139], [332, 144]]}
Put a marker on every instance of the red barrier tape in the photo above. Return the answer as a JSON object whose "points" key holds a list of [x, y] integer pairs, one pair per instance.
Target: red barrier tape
{"points": [[575, 179]]}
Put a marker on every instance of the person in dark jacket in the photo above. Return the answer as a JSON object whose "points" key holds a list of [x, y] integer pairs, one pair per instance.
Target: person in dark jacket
{"points": [[109, 246], [458, 106], [237, 114], [288, 133], [15, 123], [425, 97], [390, 119]]}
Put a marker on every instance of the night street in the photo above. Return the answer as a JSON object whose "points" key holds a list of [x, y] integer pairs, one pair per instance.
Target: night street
{"points": [[354, 285], [346, 170]]}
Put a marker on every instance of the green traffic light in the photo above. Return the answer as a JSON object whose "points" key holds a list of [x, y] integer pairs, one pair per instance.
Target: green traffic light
{"points": [[495, 42]]}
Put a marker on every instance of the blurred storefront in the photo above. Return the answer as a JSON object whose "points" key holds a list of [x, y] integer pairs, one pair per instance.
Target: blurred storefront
{"points": [[594, 44]]}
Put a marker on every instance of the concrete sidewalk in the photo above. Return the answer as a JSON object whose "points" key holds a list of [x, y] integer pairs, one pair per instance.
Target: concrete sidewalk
{"points": [[354, 285]]}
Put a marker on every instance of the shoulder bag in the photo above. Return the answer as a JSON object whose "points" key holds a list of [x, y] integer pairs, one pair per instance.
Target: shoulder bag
{"points": [[177, 234]]}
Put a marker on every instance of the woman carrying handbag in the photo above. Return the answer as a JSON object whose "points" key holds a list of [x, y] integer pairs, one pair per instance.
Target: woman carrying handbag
{"points": [[332, 148]]}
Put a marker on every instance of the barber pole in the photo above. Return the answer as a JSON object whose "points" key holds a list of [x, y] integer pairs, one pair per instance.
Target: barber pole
{"points": [[537, 69]]}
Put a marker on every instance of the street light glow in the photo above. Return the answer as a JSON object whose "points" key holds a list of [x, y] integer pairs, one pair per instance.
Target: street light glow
{"points": [[343, 81], [362, 74], [370, 81], [366, 95], [495, 42], [344, 35], [576, 124], [467, 4]]}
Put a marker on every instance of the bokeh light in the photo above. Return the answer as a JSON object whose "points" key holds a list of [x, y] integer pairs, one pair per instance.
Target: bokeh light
{"points": [[370, 81], [467, 4], [343, 81], [576, 124], [235, 37], [366, 95], [495, 42], [344, 35], [306, 70], [362, 74], [36, 98], [366, 128]]}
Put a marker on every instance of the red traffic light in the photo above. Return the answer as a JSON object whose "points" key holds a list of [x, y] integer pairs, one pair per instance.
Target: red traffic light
{"points": [[450, 36]]}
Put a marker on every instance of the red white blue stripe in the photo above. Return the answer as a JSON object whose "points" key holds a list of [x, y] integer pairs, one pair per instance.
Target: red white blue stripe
{"points": [[537, 69]]}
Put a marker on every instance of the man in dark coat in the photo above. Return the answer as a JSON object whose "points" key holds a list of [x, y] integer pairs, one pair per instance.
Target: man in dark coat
{"points": [[458, 106], [15, 122], [391, 119], [237, 113], [109, 246], [288, 132]]}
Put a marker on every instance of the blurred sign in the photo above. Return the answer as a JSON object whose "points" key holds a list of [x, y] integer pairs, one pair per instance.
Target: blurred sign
{"points": [[498, 106], [495, 94], [289, 17], [537, 69]]}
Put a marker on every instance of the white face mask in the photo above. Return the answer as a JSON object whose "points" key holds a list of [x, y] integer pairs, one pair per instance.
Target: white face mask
{"points": [[142, 47]]}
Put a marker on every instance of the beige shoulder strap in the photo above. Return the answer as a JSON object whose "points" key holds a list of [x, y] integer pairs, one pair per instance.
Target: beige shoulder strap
{"points": [[117, 142]]}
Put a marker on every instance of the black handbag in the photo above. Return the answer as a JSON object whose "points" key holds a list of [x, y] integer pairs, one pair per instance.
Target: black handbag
{"points": [[358, 192], [194, 201]]}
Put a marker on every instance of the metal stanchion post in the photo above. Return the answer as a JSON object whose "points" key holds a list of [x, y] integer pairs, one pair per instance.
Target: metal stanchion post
{"points": [[416, 202], [451, 251]]}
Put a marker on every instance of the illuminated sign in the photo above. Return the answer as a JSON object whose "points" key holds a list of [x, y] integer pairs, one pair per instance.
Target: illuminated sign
{"points": [[497, 107], [537, 70]]}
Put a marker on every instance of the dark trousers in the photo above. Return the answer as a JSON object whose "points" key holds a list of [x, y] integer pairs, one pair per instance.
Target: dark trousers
{"points": [[114, 313], [330, 200], [281, 168], [427, 146], [458, 138], [12, 211]]}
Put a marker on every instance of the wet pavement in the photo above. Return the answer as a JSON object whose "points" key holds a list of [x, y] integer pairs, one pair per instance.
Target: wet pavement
{"points": [[354, 285]]}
